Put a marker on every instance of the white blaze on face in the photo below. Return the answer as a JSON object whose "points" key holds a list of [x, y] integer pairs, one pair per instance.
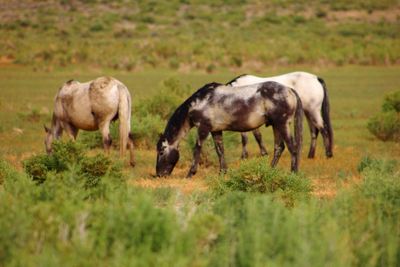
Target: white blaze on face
{"points": [[166, 147]]}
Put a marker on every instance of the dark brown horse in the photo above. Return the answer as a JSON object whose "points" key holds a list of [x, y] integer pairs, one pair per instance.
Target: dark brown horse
{"points": [[215, 108]]}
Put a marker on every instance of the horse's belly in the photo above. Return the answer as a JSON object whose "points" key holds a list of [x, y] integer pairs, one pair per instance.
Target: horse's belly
{"points": [[87, 123], [244, 123]]}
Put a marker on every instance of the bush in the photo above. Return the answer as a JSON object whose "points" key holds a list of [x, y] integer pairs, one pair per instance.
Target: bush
{"points": [[38, 166], [170, 95], [96, 167], [69, 156], [146, 129], [6, 171], [386, 125], [369, 163], [381, 185], [391, 102], [163, 104], [255, 176]]}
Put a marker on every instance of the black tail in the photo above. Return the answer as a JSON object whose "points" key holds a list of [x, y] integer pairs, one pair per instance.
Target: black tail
{"points": [[298, 126], [326, 117]]}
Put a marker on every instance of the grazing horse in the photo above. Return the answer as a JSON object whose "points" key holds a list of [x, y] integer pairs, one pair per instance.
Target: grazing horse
{"points": [[314, 98], [215, 108], [92, 106]]}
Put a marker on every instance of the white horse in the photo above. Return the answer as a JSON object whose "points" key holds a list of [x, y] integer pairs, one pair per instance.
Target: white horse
{"points": [[313, 94], [92, 106]]}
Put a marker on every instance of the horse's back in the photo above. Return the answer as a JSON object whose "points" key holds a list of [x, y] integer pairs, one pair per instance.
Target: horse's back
{"points": [[305, 84], [246, 107], [104, 96]]}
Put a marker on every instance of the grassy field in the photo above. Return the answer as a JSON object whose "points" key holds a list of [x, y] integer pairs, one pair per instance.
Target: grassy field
{"points": [[356, 94], [199, 35], [79, 207]]}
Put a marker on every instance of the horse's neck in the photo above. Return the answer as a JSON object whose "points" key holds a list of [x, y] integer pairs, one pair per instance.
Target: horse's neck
{"points": [[55, 126], [176, 137]]}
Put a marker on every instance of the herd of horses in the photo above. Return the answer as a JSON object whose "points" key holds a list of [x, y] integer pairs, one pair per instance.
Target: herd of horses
{"points": [[241, 105]]}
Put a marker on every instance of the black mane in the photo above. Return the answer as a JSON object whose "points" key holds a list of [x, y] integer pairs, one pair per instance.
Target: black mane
{"points": [[175, 123], [234, 80]]}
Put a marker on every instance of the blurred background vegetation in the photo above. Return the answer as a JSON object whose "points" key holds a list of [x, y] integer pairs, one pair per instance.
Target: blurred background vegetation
{"points": [[198, 35]]}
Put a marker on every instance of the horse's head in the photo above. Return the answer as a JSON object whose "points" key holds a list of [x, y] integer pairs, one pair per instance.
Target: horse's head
{"points": [[167, 157], [48, 140]]}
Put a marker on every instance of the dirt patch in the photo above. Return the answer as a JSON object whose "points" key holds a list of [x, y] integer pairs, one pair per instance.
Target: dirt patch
{"points": [[186, 186]]}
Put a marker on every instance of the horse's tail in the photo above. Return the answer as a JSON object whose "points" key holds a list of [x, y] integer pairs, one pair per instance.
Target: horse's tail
{"points": [[298, 126], [124, 115], [325, 109]]}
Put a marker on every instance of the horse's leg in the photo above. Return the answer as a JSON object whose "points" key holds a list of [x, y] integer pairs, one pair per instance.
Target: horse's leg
{"points": [[71, 130], [245, 139], [219, 147], [325, 136], [58, 131], [317, 121], [131, 150], [279, 146], [314, 134], [104, 127], [202, 135], [288, 138], [258, 137]]}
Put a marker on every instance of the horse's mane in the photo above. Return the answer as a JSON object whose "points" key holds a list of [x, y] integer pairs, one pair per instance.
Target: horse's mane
{"points": [[178, 118], [234, 80]]}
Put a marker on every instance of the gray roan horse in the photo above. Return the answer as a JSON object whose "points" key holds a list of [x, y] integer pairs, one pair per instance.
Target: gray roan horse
{"points": [[314, 97], [215, 108], [92, 106]]}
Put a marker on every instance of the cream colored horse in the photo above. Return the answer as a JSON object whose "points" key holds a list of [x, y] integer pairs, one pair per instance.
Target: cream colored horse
{"points": [[92, 106]]}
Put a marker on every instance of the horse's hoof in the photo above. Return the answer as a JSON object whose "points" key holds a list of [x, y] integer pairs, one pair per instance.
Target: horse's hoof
{"points": [[132, 164], [244, 156], [264, 153], [329, 155]]}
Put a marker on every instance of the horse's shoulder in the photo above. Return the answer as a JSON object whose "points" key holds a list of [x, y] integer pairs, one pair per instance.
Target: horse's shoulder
{"points": [[274, 90]]}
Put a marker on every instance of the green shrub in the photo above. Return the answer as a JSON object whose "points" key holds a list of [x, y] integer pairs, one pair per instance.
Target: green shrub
{"points": [[256, 176], [381, 184], [391, 102], [38, 166], [146, 129], [63, 155], [369, 163], [6, 171], [96, 167], [385, 126], [169, 96], [163, 104]]}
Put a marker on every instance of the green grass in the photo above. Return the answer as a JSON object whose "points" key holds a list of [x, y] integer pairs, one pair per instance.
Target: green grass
{"points": [[200, 35], [56, 223]]}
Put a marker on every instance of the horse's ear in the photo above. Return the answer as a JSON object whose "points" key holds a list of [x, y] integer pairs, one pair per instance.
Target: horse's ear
{"points": [[47, 130]]}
